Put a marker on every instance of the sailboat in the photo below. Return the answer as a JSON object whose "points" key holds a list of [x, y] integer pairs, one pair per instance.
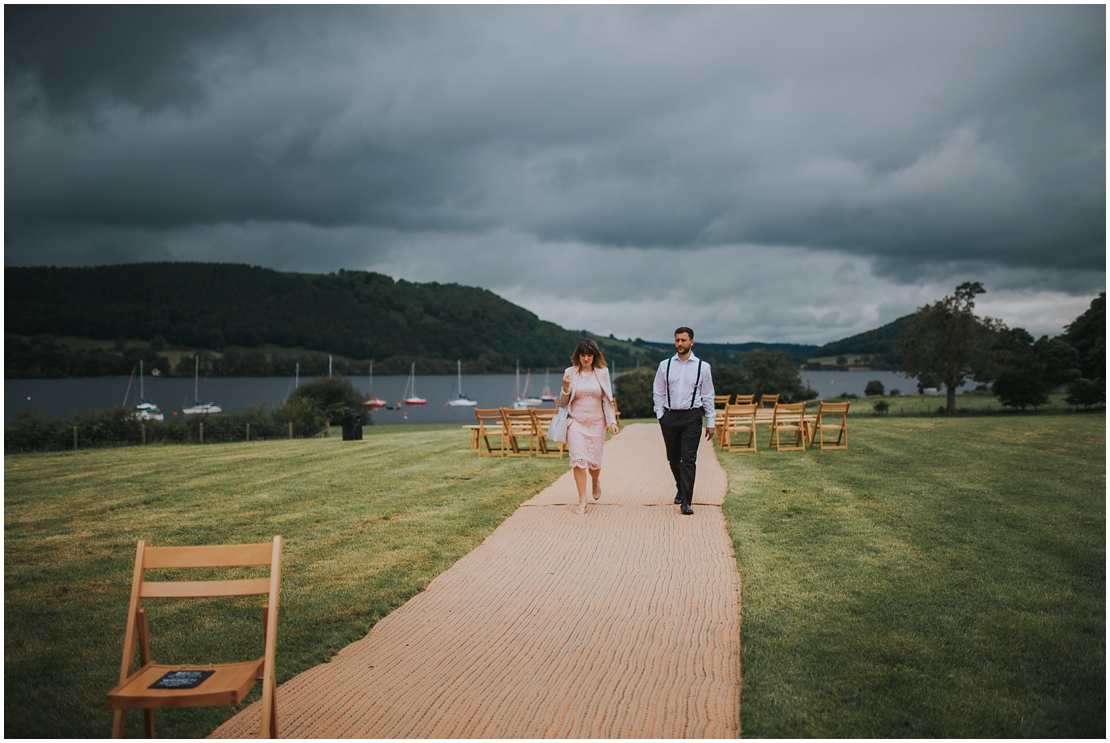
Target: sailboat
{"points": [[524, 401], [410, 390], [372, 401], [198, 406], [529, 401], [146, 410], [462, 401], [547, 396]]}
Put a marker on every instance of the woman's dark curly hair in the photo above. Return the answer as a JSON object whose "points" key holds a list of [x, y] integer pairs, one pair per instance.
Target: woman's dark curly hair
{"points": [[587, 345]]}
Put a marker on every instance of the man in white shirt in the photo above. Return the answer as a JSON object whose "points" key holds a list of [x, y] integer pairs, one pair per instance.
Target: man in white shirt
{"points": [[683, 392]]}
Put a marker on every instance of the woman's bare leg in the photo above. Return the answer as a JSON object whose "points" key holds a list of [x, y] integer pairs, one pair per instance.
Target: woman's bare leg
{"points": [[580, 481], [596, 476]]}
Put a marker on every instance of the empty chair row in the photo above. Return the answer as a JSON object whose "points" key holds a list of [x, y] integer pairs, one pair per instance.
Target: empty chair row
{"points": [[791, 429]]}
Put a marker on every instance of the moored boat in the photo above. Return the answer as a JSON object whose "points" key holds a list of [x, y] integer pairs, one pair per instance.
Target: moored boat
{"points": [[410, 397], [461, 401], [198, 407], [372, 401]]}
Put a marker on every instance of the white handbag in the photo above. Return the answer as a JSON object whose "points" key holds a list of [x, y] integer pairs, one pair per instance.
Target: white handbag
{"points": [[557, 431]]}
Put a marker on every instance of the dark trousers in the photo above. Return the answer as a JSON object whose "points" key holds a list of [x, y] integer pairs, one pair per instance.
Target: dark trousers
{"points": [[681, 435]]}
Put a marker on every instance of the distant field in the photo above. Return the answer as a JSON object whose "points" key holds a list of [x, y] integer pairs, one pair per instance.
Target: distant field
{"points": [[942, 578], [366, 525]]}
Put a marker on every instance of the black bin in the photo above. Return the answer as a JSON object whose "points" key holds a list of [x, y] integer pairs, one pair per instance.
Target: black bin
{"points": [[352, 426]]}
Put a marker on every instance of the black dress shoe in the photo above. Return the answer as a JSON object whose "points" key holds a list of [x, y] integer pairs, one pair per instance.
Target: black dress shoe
{"points": [[686, 510], [678, 500]]}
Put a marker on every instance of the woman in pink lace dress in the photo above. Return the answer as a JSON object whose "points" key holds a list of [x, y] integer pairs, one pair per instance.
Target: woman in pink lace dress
{"points": [[588, 395]]}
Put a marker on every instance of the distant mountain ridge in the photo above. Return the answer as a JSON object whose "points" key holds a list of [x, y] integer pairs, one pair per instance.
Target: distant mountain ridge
{"points": [[877, 342], [358, 315]]}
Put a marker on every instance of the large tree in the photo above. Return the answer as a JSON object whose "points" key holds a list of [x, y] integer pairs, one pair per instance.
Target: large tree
{"points": [[1088, 336], [948, 341]]}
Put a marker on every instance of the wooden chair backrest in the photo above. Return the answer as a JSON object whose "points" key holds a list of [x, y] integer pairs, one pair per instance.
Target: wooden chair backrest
{"points": [[744, 399], [788, 413], [768, 401], [490, 423], [740, 413], [720, 401], [518, 424], [832, 408], [541, 420]]}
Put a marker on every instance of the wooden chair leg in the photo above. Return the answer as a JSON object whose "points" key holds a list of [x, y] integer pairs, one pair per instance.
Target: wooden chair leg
{"points": [[144, 658], [118, 721], [274, 711]]}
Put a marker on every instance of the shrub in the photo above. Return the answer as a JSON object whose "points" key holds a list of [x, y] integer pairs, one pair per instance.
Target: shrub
{"points": [[847, 396], [332, 396], [874, 388], [895, 392], [881, 407], [1086, 393], [633, 391]]}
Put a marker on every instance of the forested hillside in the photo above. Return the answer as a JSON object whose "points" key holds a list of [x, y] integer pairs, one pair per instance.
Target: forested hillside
{"points": [[878, 344], [355, 314]]}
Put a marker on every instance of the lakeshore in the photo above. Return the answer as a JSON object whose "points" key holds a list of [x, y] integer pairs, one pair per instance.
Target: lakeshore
{"points": [[63, 397]]}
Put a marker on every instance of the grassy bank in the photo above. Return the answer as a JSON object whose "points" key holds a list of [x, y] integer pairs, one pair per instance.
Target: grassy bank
{"points": [[367, 525], [941, 578]]}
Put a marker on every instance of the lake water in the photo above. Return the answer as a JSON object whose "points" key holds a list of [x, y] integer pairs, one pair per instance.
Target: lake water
{"points": [[63, 397]]}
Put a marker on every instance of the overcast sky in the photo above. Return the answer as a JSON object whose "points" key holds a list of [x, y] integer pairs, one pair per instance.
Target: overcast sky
{"points": [[776, 173]]}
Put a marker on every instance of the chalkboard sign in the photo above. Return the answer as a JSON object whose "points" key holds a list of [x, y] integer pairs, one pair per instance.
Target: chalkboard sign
{"points": [[181, 680]]}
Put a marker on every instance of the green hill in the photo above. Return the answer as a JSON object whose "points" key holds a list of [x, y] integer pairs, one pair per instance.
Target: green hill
{"points": [[354, 314], [252, 321], [877, 343]]}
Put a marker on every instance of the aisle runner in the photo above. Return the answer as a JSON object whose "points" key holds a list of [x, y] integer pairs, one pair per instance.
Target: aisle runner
{"points": [[621, 623]]}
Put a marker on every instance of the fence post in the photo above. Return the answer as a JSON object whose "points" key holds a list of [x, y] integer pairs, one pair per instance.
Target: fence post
{"points": [[142, 427], [248, 432], [202, 433], [327, 429], [75, 437], [290, 429]]}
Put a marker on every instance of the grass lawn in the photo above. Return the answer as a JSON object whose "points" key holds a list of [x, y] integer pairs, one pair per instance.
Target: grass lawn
{"points": [[366, 526], [941, 578]]}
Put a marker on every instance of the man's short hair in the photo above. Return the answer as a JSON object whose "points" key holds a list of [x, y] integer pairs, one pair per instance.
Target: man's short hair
{"points": [[685, 330]]}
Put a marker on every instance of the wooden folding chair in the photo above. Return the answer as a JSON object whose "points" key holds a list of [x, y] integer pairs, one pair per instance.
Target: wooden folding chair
{"points": [[541, 421], [788, 418], [744, 399], [768, 401], [831, 416], [490, 425], [518, 425], [225, 684], [738, 431], [720, 402]]}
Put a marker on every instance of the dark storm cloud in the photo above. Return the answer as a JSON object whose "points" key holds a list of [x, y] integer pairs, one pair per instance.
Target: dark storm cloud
{"points": [[925, 141]]}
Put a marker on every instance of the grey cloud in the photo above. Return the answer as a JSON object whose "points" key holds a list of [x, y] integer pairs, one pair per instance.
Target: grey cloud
{"points": [[912, 144]]}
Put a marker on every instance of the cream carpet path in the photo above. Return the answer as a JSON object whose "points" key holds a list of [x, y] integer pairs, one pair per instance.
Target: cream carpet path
{"points": [[623, 623]]}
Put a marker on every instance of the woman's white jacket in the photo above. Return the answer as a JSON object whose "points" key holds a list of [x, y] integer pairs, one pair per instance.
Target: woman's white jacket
{"points": [[602, 375]]}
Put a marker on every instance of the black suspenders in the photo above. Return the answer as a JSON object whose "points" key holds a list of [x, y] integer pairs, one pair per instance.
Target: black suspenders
{"points": [[693, 398]]}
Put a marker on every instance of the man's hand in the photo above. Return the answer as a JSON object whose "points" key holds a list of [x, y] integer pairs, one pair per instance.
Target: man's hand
{"points": [[709, 434]]}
